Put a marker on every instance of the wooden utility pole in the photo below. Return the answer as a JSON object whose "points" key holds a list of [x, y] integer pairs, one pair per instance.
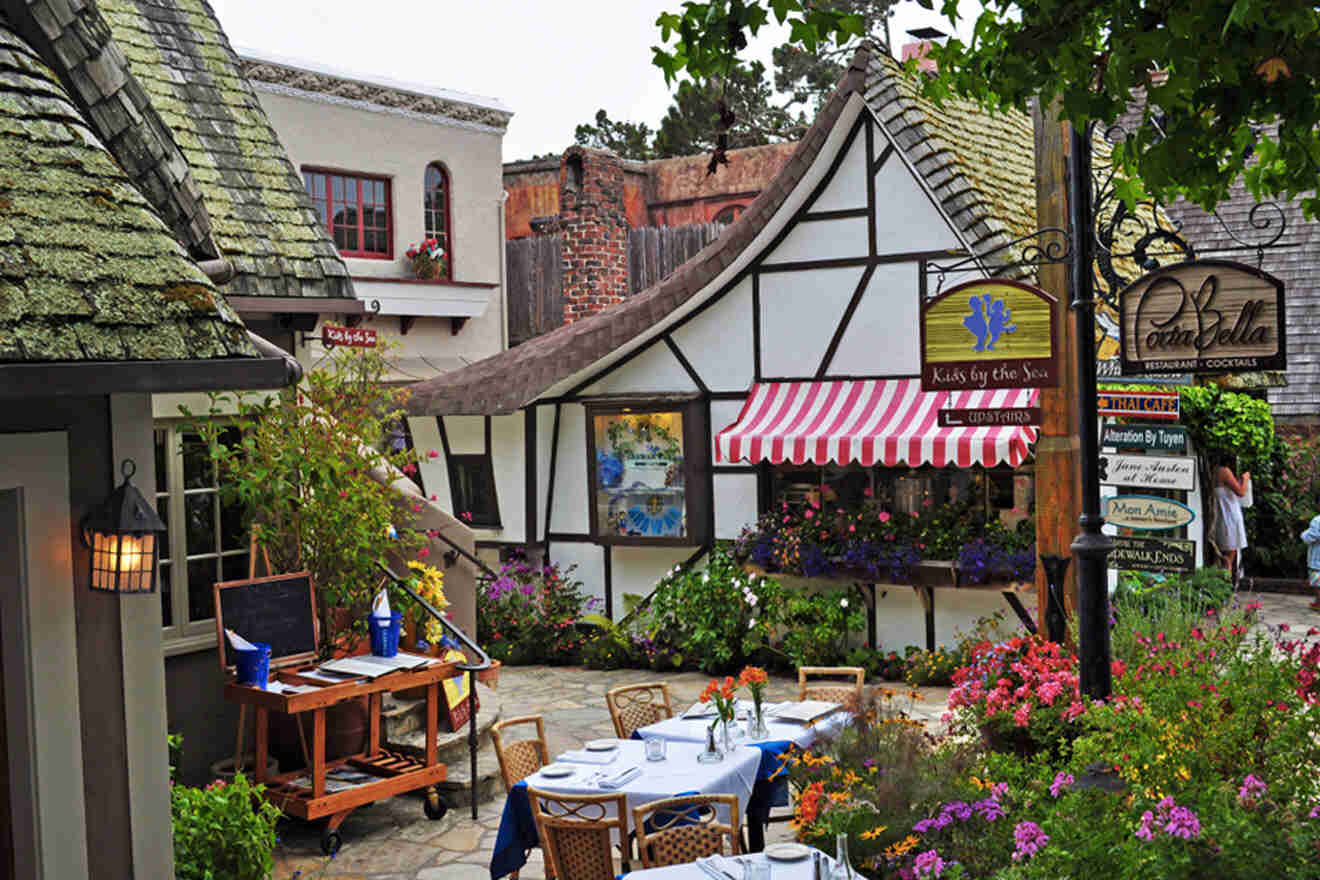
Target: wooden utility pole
{"points": [[1058, 458]]}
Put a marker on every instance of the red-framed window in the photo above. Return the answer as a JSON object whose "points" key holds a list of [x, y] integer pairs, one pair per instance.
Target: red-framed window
{"points": [[355, 209], [435, 211]]}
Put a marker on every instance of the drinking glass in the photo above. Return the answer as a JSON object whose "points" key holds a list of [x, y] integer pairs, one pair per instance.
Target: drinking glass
{"points": [[655, 749]]}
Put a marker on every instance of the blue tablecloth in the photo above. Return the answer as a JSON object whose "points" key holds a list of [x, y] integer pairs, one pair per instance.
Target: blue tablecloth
{"points": [[516, 836]]}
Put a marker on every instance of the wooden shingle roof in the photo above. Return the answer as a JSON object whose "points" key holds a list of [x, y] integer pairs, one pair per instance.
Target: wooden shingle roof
{"points": [[88, 271], [260, 215]]}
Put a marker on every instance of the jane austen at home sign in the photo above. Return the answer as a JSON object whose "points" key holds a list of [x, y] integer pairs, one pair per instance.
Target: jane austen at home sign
{"points": [[988, 334], [1207, 316], [1148, 471]]}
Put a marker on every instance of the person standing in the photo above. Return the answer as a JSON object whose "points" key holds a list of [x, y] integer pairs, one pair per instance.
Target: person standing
{"points": [[1311, 537], [1230, 530]]}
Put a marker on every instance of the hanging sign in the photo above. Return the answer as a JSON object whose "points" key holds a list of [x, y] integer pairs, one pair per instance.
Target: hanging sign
{"points": [[456, 693], [989, 418], [988, 334], [1148, 471], [1153, 554], [353, 337], [1206, 316], [1147, 512], [1156, 438], [1146, 404]]}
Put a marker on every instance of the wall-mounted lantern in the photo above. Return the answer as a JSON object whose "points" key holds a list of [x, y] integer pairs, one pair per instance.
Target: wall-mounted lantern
{"points": [[122, 535]]}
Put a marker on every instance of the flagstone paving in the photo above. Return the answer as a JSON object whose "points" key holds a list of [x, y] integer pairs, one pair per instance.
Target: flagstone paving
{"points": [[392, 840]]}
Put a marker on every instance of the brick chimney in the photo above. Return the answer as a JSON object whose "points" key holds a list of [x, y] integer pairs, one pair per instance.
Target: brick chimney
{"points": [[593, 228]]}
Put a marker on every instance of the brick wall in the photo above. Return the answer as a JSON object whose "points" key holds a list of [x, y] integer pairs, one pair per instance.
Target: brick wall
{"points": [[593, 224]]}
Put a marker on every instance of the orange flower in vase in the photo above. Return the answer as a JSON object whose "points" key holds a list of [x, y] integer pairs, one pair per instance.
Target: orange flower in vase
{"points": [[755, 680], [724, 695]]}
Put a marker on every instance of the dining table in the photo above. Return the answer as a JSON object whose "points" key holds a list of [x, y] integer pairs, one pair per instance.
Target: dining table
{"points": [[679, 773], [771, 788], [732, 866]]}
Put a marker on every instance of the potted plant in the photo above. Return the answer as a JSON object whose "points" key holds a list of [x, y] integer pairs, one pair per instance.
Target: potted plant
{"points": [[428, 260]]}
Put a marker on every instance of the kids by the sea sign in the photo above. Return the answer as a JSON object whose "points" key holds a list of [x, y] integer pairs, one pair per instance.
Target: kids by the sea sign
{"points": [[988, 334]]}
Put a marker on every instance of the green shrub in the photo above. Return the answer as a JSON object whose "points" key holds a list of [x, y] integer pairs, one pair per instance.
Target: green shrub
{"points": [[532, 614], [817, 626], [225, 831]]}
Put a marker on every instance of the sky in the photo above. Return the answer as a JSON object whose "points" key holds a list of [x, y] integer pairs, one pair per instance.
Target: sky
{"points": [[553, 64]]}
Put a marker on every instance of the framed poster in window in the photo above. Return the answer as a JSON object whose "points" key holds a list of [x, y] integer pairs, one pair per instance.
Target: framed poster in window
{"points": [[649, 479]]}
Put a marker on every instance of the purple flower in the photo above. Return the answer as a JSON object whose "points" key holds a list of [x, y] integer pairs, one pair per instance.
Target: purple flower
{"points": [[1146, 832], [528, 589], [999, 789], [928, 864], [989, 809], [1253, 789], [1029, 838], [959, 810], [869, 762], [926, 825], [943, 820], [1183, 823], [1315, 812], [1060, 781]]}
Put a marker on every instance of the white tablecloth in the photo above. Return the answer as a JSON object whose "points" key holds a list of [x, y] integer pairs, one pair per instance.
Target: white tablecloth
{"points": [[693, 730], [679, 772], [799, 870]]}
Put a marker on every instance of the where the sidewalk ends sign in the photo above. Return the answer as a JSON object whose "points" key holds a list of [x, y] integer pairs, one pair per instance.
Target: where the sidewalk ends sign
{"points": [[1153, 554], [1207, 316], [988, 334], [1146, 512]]}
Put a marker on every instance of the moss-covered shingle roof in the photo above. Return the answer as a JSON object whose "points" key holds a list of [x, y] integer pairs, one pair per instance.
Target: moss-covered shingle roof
{"points": [[88, 272], [260, 215]]}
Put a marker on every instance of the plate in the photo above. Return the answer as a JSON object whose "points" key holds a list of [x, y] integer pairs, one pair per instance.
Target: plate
{"points": [[786, 852], [557, 771], [602, 745]]}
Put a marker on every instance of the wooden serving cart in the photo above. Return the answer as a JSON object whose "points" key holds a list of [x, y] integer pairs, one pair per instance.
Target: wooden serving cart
{"points": [[306, 793]]}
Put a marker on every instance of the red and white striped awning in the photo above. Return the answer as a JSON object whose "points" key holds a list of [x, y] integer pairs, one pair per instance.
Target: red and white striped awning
{"points": [[875, 421]]}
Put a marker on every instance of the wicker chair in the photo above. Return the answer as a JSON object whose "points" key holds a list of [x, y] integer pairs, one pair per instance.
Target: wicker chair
{"points": [[575, 832], [637, 705], [519, 758], [832, 689], [684, 829]]}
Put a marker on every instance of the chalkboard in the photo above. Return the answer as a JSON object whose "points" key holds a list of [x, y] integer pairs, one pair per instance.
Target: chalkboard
{"points": [[279, 611]]}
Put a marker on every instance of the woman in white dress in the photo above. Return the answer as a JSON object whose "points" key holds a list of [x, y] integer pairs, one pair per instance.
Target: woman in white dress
{"points": [[1230, 531]]}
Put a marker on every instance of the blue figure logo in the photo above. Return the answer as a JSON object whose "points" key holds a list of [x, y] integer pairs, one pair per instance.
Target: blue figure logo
{"points": [[988, 321]]}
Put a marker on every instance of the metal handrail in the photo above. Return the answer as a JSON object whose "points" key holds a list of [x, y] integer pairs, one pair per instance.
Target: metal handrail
{"points": [[471, 668]]}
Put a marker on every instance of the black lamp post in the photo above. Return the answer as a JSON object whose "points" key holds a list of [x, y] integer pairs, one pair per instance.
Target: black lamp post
{"points": [[123, 537], [1092, 546]]}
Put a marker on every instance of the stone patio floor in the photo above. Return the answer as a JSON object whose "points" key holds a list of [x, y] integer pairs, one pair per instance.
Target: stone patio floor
{"points": [[392, 840]]}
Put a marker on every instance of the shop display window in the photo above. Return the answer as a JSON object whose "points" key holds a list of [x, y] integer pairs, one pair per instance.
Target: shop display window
{"points": [[1001, 490], [644, 476]]}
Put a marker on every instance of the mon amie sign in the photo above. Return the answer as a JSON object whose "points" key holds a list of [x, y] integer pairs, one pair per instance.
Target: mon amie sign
{"points": [[1146, 512], [1207, 316], [988, 334]]}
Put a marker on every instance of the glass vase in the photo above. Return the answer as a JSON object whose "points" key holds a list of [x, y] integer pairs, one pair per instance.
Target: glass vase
{"points": [[711, 754], [756, 726], [843, 869]]}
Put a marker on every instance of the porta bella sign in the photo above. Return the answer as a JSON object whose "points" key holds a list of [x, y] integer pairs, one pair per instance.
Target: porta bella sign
{"points": [[1207, 316]]}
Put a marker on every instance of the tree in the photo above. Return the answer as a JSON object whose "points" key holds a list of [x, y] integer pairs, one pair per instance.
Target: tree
{"points": [[1233, 84], [809, 77], [630, 140]]}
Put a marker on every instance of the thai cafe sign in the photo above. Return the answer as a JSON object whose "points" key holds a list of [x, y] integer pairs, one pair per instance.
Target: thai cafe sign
{"points": [[1153, 554], [1147, 512], [1140, 404], [1206, 316], [1152, 438], [988, 334], [1148, 471]]}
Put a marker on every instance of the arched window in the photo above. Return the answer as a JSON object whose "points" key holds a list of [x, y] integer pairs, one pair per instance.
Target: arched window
{"points": [[435, 208], [728, 214]]}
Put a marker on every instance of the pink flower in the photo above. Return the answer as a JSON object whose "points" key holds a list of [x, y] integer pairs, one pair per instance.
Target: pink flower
{"points": [[343, 493], [433, 496], [424, 552], [852, 528], [809, 514], [432, 454], [1061, 780]]}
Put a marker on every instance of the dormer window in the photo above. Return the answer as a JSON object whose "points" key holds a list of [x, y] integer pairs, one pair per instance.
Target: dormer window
{"points": [[435, 208], [355, 209]]}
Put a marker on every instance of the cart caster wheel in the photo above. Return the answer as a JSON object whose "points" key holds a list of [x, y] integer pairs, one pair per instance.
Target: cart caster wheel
{"points": [[330, 843], [434, 807]]}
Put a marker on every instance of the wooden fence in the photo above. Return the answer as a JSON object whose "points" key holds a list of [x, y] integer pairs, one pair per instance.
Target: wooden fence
{"points": [[534, 272]]}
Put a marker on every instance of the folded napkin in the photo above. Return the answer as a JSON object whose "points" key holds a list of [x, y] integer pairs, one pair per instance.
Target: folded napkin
{"points": [[582, 756], [720, 867], [622, 778], [699, 710]]}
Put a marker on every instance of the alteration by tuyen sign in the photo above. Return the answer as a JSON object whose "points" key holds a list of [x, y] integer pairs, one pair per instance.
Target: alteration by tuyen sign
{"points": [[1205, 316], [1153, 554], [1156, 438], [988, 334]]}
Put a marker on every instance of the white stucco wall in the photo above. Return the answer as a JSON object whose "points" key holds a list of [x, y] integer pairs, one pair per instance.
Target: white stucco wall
{"points": [[318, 134]]}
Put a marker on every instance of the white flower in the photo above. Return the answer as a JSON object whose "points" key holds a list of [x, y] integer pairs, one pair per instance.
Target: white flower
{"points": [[843, 603], [752, 625], [751, 599]]}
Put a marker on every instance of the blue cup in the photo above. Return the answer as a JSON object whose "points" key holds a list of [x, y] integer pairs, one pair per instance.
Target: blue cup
{"points": [[253, 666], [385, 634]]}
